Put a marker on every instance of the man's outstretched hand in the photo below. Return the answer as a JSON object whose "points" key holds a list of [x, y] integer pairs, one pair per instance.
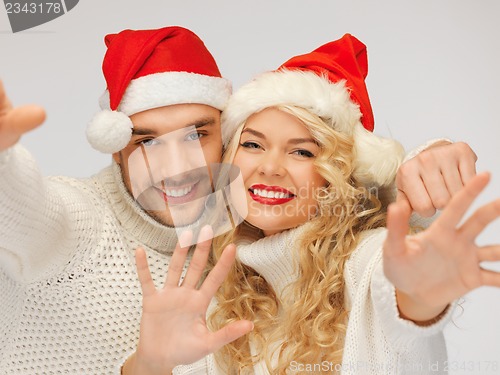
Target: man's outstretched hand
{"points": [[14, 122], [429, 180], [173, 326]]}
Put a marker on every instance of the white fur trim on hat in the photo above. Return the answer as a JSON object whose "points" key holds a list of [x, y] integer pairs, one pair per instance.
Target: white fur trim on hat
{"points": [[377, 159], [168, 88], [109, 131], [293, 87]]}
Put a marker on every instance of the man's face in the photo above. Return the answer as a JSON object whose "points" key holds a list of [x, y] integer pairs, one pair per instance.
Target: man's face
{"points": [[165, 165]]}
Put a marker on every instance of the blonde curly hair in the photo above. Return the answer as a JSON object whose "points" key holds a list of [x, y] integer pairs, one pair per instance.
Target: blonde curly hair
{"points": [[308, 325]]}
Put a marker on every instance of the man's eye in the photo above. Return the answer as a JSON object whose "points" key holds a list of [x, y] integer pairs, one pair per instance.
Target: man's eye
{"points": [[149, 142], [194, 136]]}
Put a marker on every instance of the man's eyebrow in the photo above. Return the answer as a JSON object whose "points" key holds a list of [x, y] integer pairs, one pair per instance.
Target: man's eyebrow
{"points": [[138, 130], [293, 141], [143, 131], [208, 121]]}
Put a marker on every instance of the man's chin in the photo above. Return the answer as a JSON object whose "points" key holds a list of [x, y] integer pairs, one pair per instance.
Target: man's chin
{"points": [[176, 220]]}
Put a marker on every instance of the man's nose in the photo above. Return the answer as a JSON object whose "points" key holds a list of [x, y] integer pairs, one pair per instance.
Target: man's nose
{"points": [[173, 160]]}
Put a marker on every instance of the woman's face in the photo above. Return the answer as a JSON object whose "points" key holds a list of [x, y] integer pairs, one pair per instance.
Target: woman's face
{"points": [[276, 156]]}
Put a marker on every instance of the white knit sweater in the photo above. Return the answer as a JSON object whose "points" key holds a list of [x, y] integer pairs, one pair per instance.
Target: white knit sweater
{"points": [[378, 341], [70, 300]]}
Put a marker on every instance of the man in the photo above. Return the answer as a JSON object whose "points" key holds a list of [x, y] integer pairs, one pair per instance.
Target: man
{"points": [[70, 299], [70, 296]]}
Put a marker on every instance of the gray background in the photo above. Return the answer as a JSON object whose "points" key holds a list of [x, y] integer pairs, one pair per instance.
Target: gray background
{"points": [[433, 73]]}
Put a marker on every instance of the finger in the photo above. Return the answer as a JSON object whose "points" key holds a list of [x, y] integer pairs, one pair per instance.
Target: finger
{"points": [[398, 215], [22, 119], [452, 179], [143, 273], [490, 278], [481, 218], [218, 274], [489, 253], [177, 261], [467, 164], [199, 260], [460, 203], [436, 188], [4, 101], [18, 121], [228, 334], [418, 198]]}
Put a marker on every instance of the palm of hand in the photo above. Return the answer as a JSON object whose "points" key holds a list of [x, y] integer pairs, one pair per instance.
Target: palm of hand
{"points": [[173, 325], [442, 263], [438, 264], [165, 327]]}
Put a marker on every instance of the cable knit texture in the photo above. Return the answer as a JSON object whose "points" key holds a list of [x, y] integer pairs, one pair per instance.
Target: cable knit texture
{"points": [[70, 300]]}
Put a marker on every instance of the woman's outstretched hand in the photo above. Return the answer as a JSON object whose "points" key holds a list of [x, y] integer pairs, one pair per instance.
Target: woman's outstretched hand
{"points": [[173, 326], [442, 263]]}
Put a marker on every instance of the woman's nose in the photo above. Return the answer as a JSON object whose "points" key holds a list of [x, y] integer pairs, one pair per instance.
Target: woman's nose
{"points": [[272, 165]]}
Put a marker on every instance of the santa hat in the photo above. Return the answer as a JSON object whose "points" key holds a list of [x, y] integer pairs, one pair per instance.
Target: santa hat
{"points": [[329, 82], [147, 69]]}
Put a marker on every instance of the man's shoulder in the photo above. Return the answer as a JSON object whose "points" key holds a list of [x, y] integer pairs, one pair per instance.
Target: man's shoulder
{"points": [[91, 186]]}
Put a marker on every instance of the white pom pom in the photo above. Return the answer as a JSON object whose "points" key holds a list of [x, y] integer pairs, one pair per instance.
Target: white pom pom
{"points": [[109, 131]]}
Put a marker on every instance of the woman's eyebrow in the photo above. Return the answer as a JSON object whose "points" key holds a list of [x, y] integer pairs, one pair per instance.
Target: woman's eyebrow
{"points": [[293, 141], [254, 132]]}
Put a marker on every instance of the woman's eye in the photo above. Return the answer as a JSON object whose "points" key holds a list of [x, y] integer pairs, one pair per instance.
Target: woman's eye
{"points": [[250, 145], [149, 142], [304, 153], [194, 136]]}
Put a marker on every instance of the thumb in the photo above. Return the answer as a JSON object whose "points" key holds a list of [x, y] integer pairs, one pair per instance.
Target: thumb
{"points": [[398, 216], [229, 333]]}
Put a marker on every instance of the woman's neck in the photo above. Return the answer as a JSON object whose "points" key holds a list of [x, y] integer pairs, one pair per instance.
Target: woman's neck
{"points": [[273, 257]]}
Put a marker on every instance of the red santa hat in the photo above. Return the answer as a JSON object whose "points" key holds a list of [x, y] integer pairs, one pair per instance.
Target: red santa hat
{"points": [[147, 69], [329, 82]]}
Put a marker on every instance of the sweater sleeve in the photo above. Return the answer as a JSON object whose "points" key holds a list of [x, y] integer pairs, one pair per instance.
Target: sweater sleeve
{"points": [[398, 331], [377, 339], [38, 218]]}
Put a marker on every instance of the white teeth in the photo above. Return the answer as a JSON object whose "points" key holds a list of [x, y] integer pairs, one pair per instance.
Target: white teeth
{"points": [[271, 194], [178, 192]]}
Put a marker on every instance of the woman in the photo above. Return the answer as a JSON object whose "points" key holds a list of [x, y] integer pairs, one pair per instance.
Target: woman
{"points": [[309, 273]]}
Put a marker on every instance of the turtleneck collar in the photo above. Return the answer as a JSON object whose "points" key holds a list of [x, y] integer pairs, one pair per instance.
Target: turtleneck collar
{"points": [[274, 258], [131, 216]]}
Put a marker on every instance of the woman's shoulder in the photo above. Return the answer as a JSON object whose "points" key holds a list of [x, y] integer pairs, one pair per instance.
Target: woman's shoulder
{"points": [[369, 245], [370, 239]]}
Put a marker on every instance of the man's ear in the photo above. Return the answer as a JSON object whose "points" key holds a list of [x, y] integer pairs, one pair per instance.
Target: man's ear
{"points": [[117, 157]]}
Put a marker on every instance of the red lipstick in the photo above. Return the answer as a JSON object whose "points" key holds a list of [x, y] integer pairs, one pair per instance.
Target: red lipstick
{"points": [[278, 194]]}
